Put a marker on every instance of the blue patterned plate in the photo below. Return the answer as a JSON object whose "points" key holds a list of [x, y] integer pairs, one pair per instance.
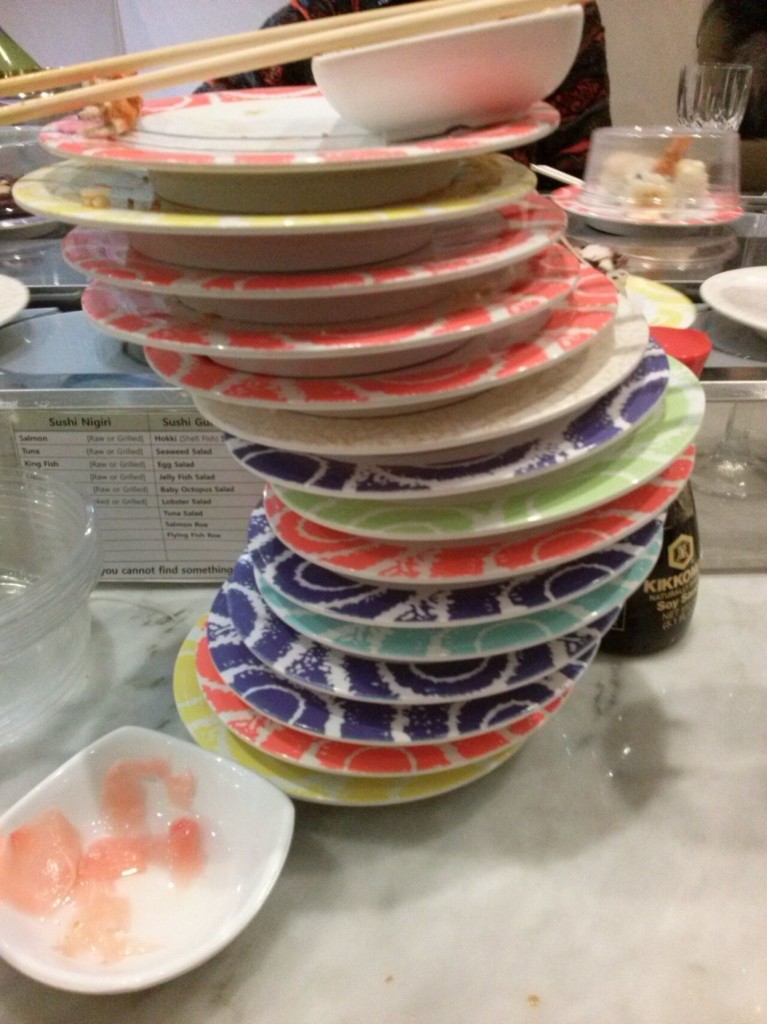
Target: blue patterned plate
{"points": [[446, 644], [357, 721], [321, 590], [302, 783], [337, 756], [314, 666], [562, 443]]}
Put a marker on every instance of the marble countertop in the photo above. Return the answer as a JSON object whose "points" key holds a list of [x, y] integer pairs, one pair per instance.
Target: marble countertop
{"points": [[614, 871]]}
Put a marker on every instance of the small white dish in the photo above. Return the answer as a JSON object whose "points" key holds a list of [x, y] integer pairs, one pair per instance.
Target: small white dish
{"points": [[740, 295], [251, 827], [14, 297]]}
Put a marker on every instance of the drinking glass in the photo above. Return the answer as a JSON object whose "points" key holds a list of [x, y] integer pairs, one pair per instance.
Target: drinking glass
{"points": [[737, 465], [713, 95]]}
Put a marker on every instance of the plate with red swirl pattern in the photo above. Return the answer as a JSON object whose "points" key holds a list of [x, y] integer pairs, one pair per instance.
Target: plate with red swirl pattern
{"points": [[614, 219], [509, 409], [513, 310], [455, 252], [319, 589], [293, 129], [481, 363]]}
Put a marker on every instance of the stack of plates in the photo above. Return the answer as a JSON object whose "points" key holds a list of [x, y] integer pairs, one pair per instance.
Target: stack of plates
{"points": [[467, 439]]}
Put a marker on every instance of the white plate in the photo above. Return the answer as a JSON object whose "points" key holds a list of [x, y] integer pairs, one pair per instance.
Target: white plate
{"points": [[740, 295], [496, 413], [14, 297], [282, 150], [252, 827], [256, 130]]}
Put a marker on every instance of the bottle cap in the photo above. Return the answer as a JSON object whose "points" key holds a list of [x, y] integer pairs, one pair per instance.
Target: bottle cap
{"points": [[690, 346]]}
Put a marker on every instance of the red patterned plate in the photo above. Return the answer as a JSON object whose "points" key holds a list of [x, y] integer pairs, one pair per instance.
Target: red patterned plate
{"points": [[488, 360], [338, 757], [496, 559]]}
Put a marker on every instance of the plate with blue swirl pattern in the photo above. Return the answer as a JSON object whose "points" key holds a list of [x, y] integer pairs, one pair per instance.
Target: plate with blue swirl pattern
{"points": [[446, 644], [312, 665], [337, 756], [357, 721]]}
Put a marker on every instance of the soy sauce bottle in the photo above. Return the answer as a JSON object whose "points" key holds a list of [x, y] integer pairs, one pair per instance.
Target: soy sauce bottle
{"points": [[658, 614]]}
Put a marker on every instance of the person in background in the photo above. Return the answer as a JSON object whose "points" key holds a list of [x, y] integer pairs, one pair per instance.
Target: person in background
{"points": [[735, 32], [583, 99]]}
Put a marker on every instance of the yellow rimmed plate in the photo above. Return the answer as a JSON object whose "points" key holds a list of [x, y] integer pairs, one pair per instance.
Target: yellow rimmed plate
{"points": [[209, 732]]}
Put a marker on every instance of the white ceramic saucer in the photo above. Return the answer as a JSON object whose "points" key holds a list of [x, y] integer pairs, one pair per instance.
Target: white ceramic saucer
{"points": [[740, 295]]}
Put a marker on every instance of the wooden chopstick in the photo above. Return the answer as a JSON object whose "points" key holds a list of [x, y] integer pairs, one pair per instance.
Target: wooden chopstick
{"points": [[300, 41], [555, 174], [129, 63]]}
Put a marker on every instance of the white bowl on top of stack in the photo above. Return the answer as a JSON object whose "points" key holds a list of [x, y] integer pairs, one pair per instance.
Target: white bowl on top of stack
{"points": [[467, 76], [442, 400]]}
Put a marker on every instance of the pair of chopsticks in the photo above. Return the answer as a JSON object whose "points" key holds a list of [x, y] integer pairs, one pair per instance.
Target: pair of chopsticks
{"points": [[246, 51]]}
